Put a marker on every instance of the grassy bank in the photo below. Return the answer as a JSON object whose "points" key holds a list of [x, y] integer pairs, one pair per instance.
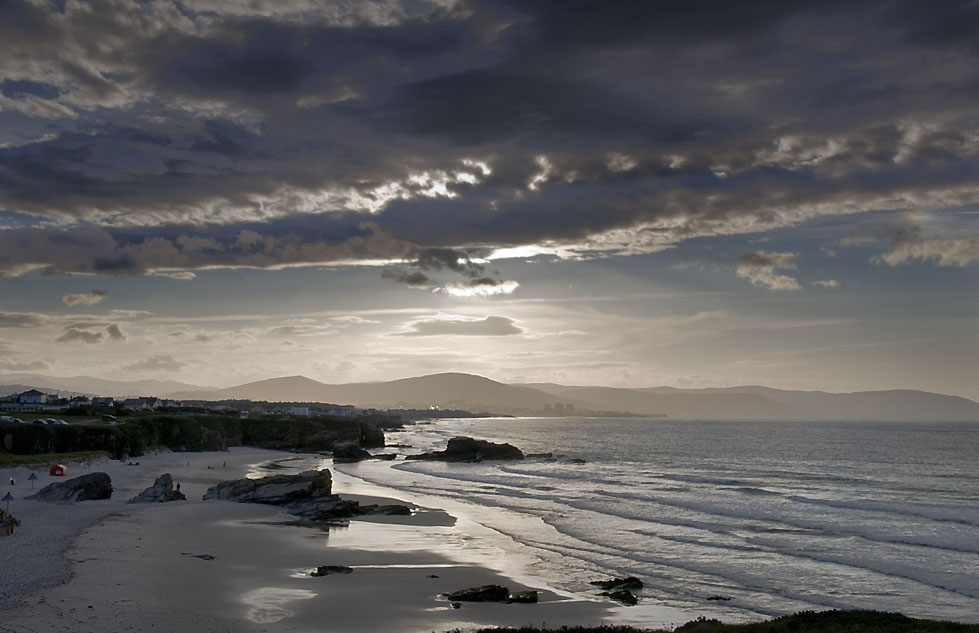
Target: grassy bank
{"points": [[804, 622], [8, 460], [190, 432]]}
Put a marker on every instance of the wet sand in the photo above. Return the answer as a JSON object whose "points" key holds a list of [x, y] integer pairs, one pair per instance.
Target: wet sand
{"points": [[223, 566]]}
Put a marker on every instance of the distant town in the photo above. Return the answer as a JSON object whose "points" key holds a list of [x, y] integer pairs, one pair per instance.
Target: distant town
{"points": [[38, 403]]}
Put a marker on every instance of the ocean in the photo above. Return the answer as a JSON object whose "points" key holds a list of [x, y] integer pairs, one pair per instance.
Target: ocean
{"points": [[730, 519]]}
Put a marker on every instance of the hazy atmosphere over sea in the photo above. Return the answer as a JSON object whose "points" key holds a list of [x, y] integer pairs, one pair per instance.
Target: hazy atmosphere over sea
{"points": [[694, 194]]}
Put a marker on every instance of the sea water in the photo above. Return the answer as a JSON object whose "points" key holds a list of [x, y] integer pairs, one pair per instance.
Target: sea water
{"points": [[728, 519]]}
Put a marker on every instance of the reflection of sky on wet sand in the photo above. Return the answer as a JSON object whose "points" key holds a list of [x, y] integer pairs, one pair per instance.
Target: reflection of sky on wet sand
{"points": [[266, 604]]}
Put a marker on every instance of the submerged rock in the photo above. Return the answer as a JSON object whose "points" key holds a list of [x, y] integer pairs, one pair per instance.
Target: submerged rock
{"points": [[624, 596], [618, 583], [160, 492], [90, 487], [467, 449]]}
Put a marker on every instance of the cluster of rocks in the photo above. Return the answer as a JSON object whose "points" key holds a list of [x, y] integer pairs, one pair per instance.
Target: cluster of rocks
{"points": [[491, 593], [467, 449], [620, 589], [308, 495], [161, 491], [90, 487]]}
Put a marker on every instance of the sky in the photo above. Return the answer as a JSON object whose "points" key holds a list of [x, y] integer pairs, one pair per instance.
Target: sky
{"points": [[624, 193]]}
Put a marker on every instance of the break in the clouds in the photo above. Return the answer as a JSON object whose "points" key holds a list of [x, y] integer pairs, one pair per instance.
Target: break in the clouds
{"points": [[761, 269], [170, 137], [159, 363], [453, 325], [89, 298]]}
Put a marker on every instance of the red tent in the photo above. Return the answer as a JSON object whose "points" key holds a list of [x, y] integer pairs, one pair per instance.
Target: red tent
{"points": [[58, 470]]}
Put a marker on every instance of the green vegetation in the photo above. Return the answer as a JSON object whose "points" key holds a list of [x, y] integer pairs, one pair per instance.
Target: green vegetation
{"points": [[804, 622], [181, 431], [45, 459]]}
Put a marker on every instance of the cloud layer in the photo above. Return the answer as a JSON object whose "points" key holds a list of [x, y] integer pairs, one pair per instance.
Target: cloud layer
{"points": [[170, 137]]}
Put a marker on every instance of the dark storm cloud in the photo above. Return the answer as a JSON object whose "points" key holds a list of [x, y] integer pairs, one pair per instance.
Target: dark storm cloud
{"points": [[268, 135], [408, 277], [288, 241]]}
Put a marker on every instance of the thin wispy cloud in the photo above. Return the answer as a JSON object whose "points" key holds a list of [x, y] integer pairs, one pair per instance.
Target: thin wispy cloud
{"points": [[90, 298]]}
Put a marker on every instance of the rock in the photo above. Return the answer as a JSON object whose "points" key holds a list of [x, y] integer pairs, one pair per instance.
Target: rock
{"points": [[720, 598], [456, 605], [618, 583], [371, 436], [539, 455], [624, 596], [90, 487], [326, 570], [307, 494], [384, 456], [486, 593], [348, 452], [574, 460], [523, 597], [467, 449], [160, 492]]}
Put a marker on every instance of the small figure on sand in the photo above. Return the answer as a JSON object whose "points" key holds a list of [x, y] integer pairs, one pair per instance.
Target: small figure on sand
{"points": [[13, 481]]}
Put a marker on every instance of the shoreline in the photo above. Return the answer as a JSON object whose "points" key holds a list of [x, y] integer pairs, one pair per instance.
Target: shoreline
{"points": [[108, 565]]}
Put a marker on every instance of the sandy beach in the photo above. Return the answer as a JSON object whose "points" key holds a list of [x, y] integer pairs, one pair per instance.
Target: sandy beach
{"points": [[223, 566]]}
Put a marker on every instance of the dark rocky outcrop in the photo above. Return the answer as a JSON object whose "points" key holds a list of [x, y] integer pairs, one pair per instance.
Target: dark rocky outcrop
{"points": [[90, 487], [618, 583], [467, 449], [486, 593], [307, 494], [160, 492], [348, 452], [326, 570]]}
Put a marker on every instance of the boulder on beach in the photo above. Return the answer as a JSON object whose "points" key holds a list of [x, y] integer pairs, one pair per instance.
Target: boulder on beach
{"points": [[467, 449], [348, 452], [90, 487], [523, 597], [308, 494], [486, 593], [326, 570], [160, 492]]}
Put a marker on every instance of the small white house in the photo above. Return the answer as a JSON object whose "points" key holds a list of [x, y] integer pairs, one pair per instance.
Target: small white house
{"points": [[32, 396], [304, 411]]}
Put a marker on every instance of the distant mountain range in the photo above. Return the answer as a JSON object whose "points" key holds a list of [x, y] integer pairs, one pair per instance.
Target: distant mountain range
{"points": [[475, 393], [85, 385]]}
